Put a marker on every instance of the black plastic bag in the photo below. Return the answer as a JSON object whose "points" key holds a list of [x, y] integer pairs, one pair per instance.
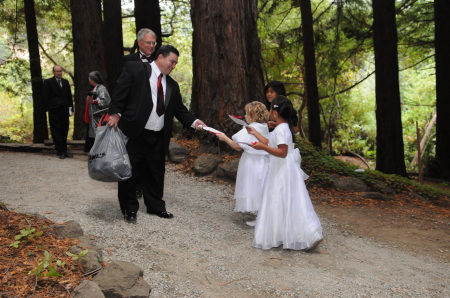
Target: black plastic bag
{"points": [[108, 159]]}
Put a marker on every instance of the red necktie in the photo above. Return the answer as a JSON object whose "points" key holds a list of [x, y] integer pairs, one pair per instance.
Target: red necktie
{"points": [[160, 97]]}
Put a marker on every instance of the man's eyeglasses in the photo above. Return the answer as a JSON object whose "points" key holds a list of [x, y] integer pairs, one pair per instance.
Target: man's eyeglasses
{"points": [[151, 43]]}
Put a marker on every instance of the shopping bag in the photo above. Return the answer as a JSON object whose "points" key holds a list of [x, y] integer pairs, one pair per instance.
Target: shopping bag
{"points": [[108, 159]]}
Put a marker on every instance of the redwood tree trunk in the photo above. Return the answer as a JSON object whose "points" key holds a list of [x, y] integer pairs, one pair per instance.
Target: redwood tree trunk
{"points": [[390, 151], [112, 33], [147, 14], [40, 131], [226, 60], [88, 52], [442, 44], [311, 89]]}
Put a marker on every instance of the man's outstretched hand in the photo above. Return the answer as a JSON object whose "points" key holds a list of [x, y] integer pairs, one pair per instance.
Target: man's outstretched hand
{"points": [[199, 124]]}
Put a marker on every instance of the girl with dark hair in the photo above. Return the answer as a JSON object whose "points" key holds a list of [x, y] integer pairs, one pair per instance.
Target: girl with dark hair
{"points": [[286, 216], [272, 90], [97, 99]]}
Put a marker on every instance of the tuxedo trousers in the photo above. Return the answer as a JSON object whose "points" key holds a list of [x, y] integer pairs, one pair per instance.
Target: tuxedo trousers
{"points": [[147, 157], [59, 127]]}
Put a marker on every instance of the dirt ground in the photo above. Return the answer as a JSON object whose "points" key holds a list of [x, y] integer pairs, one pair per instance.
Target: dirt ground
{"points": [[408, 224], [361, 256], [412, 228]]}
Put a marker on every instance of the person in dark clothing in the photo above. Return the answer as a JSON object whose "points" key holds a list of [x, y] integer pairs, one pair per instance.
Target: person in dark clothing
{"points": [[57, 99], [146, 40], [143, 105]]}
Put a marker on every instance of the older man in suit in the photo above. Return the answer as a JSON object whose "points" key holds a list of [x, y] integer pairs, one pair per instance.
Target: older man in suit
{"points": [[146, 40], [144, 103], [57, 98]]}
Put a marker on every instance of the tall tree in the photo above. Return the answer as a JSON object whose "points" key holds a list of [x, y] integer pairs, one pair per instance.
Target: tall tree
{"points": [[112, 33], [311, 89], [226, 58], [442, 44], [147, 14], [390, 150], [40, 131], [88, 54]]}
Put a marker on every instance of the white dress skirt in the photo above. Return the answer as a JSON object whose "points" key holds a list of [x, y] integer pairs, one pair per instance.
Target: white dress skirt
{"points": [[252, 170], [286, 216]]}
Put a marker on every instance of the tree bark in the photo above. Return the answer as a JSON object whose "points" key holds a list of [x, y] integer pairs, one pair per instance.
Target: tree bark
{"points": [[226, 60], [390, 150], [40, 131], [113, 41], [442, 44], [147, 14], [311, 89], [88, 52]]}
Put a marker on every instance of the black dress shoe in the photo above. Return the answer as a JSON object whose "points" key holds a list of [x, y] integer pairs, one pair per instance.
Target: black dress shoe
{"points": [[163, 214], [61, 156], [130, 217], [68, 155]]}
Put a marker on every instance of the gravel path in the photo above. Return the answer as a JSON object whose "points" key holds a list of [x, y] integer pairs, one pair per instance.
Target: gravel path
{"points": [[205, 250]]}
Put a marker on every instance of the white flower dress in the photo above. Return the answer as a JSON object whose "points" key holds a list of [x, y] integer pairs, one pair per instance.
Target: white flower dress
{"points": [[252, 170], [286, 216]]}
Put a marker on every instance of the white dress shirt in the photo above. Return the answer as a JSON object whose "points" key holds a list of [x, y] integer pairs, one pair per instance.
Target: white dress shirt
{"points": [[155, 122]]}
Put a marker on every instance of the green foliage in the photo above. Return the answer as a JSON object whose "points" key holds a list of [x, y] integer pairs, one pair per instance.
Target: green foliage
{"points": [[25, 235], [45, 267], [175, 18], [320, 166], [16, 119], [344, 58], [418, 105], [76, 257], [14, 78]]}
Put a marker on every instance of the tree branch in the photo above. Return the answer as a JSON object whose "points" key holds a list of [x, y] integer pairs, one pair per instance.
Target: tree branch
{"points": [[54, 62]]}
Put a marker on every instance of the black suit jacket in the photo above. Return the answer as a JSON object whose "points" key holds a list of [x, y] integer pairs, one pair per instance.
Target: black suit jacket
{"points": [[55, 97], [127, 58], [132, 98], [130, 57]]}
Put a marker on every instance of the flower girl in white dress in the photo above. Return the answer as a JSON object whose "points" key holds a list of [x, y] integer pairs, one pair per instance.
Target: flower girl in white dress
{"points": [[253, 163], [286, 216]]}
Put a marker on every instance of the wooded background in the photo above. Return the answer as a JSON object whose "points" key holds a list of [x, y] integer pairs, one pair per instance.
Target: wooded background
{"points": [[361, 73]]}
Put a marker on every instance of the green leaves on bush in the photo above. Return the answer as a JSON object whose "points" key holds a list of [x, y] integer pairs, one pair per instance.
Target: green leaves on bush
{"points": [[320, 166], [25, 235], [76, 257], [45, 267]]}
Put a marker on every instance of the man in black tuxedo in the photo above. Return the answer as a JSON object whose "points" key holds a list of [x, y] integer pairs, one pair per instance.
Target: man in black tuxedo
{"points": [[57, 98], [143, 105], [146, 40]]}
